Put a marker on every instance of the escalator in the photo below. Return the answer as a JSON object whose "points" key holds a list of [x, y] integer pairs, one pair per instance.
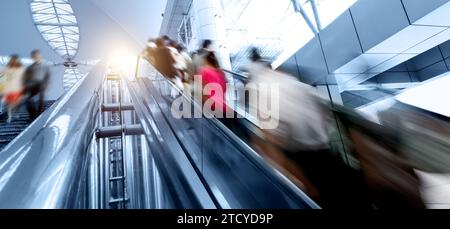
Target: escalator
{"points": [[9, 131], [112, 143]]}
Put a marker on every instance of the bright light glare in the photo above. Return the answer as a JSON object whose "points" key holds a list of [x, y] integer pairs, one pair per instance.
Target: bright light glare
{"points": [[123, 62]]}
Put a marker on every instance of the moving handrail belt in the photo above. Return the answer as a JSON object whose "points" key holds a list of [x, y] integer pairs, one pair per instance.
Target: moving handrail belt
{"points": [[44, 166], [186, 189], [260, 174]]}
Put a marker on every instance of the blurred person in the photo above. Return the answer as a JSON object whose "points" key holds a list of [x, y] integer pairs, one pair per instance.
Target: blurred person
{"points": [[213, 77], [199, 58], [179, 64], [12, 88], [272, 144], [424, 138], [187, 70], [148, 52], [163, 59], [390, 178], [167, 40], [255, 57], [300, 143], [257, 63], [36, 80], [151, 43]]}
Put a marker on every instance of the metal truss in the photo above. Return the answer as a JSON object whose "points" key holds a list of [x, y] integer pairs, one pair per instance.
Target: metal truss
{"points": [[58, 25], [71, 77], [56, 21]]}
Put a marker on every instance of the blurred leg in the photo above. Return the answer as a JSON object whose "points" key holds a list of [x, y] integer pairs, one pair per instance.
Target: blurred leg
{"points": [[10, 112], [41, 102], [31, 106]]}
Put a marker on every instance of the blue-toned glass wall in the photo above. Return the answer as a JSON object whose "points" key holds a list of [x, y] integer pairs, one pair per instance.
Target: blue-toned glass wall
{"points": [[58, 25], [359, 57]]}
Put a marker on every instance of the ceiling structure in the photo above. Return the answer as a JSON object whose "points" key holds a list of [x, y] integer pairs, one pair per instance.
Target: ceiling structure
{"points": [[274, 27], [173, 16], [80, 30], [58, 25]]}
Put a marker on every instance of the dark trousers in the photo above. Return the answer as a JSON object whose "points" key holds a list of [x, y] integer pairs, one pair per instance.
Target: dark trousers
{"points": [[35, 109]]}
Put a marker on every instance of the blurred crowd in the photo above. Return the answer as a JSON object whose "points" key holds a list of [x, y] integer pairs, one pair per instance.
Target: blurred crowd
{"points": [[22, 86], [334, 154], [191, 72]]}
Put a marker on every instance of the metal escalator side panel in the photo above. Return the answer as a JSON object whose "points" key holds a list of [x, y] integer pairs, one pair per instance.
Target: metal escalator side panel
{"points": [[42, 167], [184, 184], [227, 159]]}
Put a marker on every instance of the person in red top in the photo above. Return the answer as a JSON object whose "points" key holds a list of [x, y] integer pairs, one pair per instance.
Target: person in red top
{"points": [[214, 84]]}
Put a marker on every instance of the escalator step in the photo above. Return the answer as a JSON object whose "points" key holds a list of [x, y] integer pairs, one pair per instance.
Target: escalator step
{"points": [[21, 120]]}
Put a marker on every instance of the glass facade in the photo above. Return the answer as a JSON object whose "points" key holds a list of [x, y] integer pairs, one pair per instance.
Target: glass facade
{"points": [[274, 27], [58, 25], [71, 77]]}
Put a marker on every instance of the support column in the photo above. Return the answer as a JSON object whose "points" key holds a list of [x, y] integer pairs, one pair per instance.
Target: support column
{"points": [[211, 25]]}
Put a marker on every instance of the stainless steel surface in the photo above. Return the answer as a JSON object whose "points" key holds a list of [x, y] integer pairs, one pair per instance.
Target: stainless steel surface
{"points": [[299, 9], [116, 107], [175, 169], [43, 167], [117, 131]]}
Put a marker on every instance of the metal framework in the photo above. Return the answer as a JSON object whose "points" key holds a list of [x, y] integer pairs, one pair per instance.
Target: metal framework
{"points": [[56, 21], [58, 25], [272, 25], [71, 77]]}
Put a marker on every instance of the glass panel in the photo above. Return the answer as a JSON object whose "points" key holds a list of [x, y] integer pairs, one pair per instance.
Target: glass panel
{"points": [[273, 26], [57, 23], [329, 10], [71, 77]]}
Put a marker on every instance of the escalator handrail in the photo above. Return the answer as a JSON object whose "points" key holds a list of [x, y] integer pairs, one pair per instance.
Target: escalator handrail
{"points": [[42, 167], [237, 76], [284, 182], [187, 187]]}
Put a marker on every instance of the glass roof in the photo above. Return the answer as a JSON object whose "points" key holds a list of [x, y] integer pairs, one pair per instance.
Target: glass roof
{"points": [[73, 74], [58, 25], [274, 26], [56, 21], [71, 77]]}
